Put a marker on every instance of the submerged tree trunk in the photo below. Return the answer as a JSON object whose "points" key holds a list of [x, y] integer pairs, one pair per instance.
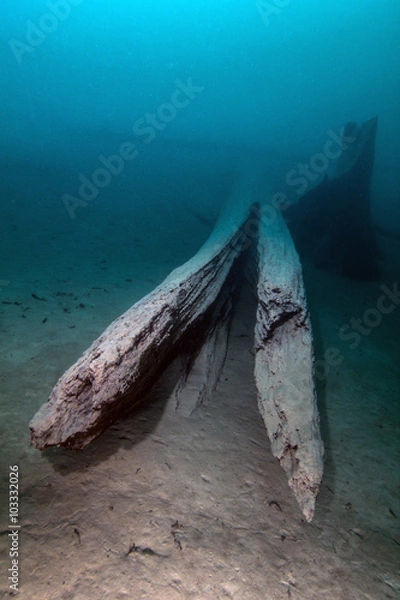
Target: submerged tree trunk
{"points": [[122, 364], [284, 364], [201, 368], [195, 302]]}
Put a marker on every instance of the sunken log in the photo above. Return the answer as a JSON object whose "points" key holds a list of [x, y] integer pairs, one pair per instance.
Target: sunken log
{"points": [[195, 303], [284, 364], [331, 224], [123, 363], [201, 368]]}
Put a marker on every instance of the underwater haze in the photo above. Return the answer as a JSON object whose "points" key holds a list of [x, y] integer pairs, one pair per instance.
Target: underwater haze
{"points": [[270, 78], [77, 76], [123, 127]]}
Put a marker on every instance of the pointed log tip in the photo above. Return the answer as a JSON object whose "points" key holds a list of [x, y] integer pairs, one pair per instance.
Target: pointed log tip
{"points": [[305, 492]]}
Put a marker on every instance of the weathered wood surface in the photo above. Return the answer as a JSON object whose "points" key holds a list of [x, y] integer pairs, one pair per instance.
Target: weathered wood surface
{"points": [[284, 364], [124, 361], [196, 300], [201, 369]]}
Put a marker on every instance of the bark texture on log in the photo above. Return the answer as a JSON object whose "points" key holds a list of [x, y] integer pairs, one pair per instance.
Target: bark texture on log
{"points": [[284, 365], [124, 361], [201, 370]]}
